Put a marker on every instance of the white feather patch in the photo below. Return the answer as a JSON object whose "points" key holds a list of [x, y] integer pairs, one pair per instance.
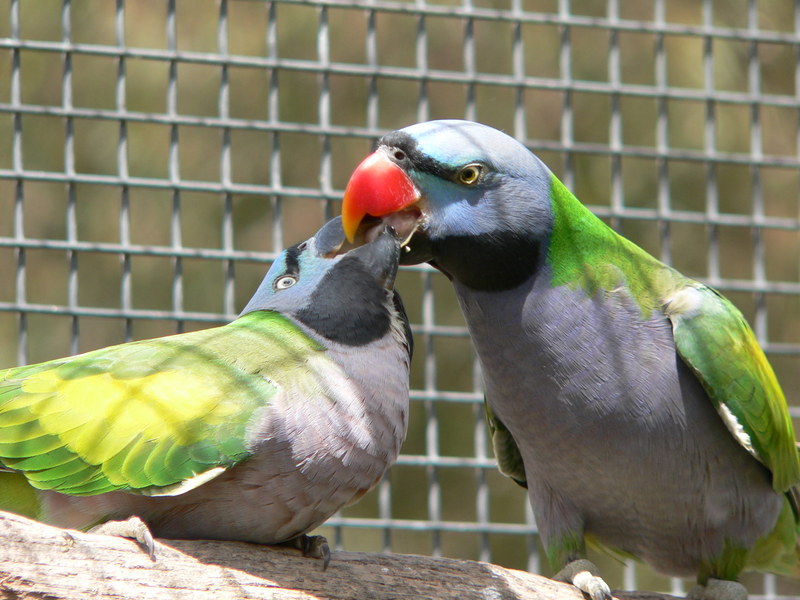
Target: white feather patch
{"points": [[685, 301], [736, 429], [184, 486]]}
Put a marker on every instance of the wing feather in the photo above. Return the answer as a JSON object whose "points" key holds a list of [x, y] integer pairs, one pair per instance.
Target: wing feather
{"points": [[506, 451], [166, 413], [714, 340]]}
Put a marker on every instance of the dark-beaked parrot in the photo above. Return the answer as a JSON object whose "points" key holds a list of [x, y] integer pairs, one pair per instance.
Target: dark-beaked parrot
{"points": [[633, 402], [258, 430]]}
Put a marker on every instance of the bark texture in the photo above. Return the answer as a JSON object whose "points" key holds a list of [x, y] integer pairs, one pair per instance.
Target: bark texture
{"points": [[46, 563]]}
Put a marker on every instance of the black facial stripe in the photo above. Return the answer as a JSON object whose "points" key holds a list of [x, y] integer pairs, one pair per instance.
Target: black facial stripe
{"points": [[415, 158], [292, 260]]}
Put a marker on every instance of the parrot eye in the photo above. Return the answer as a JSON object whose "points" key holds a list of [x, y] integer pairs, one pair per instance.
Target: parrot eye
{"points": [[470, 174], [284, 282]]}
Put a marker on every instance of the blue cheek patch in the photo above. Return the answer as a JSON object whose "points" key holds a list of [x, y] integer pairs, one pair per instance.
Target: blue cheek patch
{"points": [[452, 205]]}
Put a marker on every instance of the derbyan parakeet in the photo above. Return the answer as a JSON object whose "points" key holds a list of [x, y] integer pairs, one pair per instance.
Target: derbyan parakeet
{"points": [[258, 430], [634, 403]]}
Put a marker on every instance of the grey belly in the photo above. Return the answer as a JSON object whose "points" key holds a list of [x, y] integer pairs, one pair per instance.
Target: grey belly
{"points": [[271, 497], [242, 504], [617, 435]]}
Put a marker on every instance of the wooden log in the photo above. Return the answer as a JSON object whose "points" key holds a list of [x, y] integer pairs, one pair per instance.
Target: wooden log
{"points": [[42, 562]]}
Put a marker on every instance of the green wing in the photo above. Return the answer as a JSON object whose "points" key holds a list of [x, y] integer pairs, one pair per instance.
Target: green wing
{"points": [[715, 341], [158, 416], [506, 451]]}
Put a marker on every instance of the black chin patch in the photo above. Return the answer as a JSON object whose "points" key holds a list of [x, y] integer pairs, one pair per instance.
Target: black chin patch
{"points": [[349, 306], [418, 251], [488, 262]]}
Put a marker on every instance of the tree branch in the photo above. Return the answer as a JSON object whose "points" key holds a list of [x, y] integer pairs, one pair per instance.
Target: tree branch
{"points": [[46, 563]]}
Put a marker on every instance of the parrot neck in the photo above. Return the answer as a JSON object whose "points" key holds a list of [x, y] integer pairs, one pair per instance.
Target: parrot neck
{"points": [[381, 394]]}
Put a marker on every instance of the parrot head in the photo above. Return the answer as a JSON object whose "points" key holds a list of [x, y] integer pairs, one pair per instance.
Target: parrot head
{"points": [[462, 195], [343, 293]]}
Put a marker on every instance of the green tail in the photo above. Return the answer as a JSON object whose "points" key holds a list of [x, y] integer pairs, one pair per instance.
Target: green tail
{"points": [[779, 552]]}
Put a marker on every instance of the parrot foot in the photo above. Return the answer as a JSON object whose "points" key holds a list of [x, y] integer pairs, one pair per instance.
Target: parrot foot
{"points": [[68, 538], [582, 574], [133, 528], [312, 546], [718, 589]]}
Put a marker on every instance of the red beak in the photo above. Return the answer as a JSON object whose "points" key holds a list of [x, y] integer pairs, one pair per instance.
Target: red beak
{"points": [[377, 187]]}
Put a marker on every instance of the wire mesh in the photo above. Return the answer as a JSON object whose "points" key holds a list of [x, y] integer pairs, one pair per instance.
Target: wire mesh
{"points": [[155, 155]]}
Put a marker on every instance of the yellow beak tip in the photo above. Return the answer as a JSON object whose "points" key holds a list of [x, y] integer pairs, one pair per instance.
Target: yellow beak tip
{"points": [[350, 226]]}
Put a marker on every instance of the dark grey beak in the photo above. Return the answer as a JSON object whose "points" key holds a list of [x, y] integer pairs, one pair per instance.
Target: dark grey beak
{"points": [[381, 256], [330, 240]]}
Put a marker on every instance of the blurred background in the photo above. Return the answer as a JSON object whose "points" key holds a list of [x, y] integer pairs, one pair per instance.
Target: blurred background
{"points": [[155, 155]]}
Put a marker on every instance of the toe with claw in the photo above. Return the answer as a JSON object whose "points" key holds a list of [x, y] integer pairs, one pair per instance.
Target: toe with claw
{"points": [[312, 546], [718, 589], [133, 528], [583, 575]]}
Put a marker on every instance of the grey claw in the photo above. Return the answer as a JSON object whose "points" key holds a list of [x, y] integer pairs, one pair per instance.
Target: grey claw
{"points": [[312, 546], [583, 575], [133, 528], [316, 546], [718, 589]]}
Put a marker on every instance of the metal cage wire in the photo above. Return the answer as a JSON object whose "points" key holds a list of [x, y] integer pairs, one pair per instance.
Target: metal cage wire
{"points": [[304, 57]]}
